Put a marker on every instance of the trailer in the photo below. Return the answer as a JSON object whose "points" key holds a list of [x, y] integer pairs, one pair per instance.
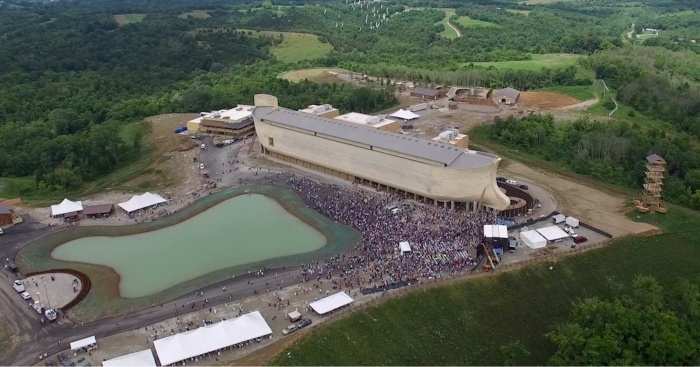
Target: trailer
{"points": [[572, 222], [18, 286]]}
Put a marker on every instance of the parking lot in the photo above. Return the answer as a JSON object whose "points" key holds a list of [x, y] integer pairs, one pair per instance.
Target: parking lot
{"points": [[523, 252]]}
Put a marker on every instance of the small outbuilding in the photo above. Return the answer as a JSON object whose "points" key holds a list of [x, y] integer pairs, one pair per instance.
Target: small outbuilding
{"points": [[95, 211], [505, 96], [425, 93], [6, 215], [404, 246]]}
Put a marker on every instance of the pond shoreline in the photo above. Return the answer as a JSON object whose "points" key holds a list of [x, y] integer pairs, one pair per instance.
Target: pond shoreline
{"points": [[105, 299]]}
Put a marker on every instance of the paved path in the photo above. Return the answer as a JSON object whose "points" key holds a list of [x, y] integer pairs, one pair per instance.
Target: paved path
{"points": [[582, 105], [459, 34]]}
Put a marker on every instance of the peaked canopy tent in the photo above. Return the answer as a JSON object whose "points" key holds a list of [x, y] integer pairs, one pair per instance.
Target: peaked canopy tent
{"points": [[141, 201], [66, 206], [405, 115], [552, 233], [495, 231], [82, 343], [142, 358], [330, 303], [182, 346], [404, 246], [533, 239]]}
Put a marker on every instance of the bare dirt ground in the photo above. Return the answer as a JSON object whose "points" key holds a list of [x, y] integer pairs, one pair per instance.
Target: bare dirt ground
{"points": [[546, 100], [316, 75], [173, 150], [591, 205]]}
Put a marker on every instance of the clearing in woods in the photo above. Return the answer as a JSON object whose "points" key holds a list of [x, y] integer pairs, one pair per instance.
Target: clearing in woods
{"points": [[448, 31], [538, 62], [467, 22], [296, 46], [198, 14], [124, 19], [546, 100], [316, 75], [172, 152]]}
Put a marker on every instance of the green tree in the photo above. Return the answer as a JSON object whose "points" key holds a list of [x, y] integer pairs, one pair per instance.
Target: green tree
{"points": [[647, 327], [513, 353]]}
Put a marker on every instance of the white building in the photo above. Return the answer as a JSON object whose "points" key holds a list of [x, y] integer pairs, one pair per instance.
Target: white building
{"points": [[376, 122]]}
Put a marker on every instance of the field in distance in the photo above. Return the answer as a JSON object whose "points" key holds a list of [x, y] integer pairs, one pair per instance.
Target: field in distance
{"points": [[538, 62], [467, 22], [124, 19], [296, 46], [198, 14], [535, 2], [316, 75]]}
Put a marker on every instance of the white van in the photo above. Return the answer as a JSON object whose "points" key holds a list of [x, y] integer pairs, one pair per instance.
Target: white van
{"points": [[18, 286], [512, 182]]}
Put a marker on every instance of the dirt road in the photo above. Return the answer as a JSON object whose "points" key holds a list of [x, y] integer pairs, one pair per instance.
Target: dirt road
{"points": [[578, 106], [590, 205], [459, 34]]}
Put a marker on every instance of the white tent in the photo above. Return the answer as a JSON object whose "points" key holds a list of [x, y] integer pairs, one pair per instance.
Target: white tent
{"points": [[82, 343], [404, 246], [141, 201], [138, 359], [494, 231], [533, 239], [210, 338], [294, 315], [405, 115], [66, 206], [331, 303], [552, 233]]}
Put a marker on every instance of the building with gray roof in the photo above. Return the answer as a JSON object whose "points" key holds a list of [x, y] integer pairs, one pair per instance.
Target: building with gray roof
{"points": [[505, 96], [425, 169]]}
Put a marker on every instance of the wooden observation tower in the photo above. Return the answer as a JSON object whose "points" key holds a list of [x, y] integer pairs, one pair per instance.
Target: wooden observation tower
{"points": [[653, 186]]}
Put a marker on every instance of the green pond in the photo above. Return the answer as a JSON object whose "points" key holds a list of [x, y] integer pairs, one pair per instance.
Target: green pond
{"points": [[242, 230]]}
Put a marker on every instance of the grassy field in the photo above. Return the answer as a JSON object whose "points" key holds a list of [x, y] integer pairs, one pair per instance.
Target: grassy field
{"points": [[124, 19], [580, 92], [535, 2], [296, 46], [538, 62], [466, 323], [198, 14], [316, 75], [474, 23], [448, 32], [517, 11]]}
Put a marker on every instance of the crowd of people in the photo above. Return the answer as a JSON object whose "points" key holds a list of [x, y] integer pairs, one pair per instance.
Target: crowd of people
{"points": [[439, 238]]}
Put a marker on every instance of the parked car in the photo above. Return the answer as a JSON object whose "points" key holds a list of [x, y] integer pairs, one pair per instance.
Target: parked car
{"points": [[524, 187], [303, 323], [500, 179], [290, 329], [512, 182], [201, 166], [65, 361], [580, 239], [1, 231], [25, 295]]}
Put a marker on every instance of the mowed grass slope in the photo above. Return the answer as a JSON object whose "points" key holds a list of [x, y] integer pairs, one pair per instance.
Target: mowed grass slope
{"points": [[466, 323], [474, 23], [296, 46], [124, 19], [316, 75], [198, 14], [538, 62]]}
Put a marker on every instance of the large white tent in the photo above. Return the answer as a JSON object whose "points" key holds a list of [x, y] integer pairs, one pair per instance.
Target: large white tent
{"points": [[82, 343], [66, 206], [533, 239], [552, 233], [330, 303], [405, 115], [182, 346], [141, 201], [138, 359], [494, 231]]}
